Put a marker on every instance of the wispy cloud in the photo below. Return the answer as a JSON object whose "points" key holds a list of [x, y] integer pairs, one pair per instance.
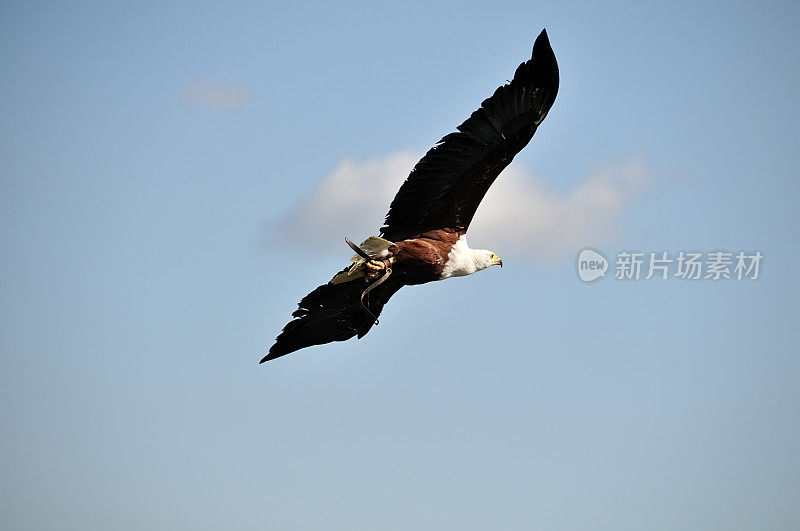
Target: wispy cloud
{"points": [[521, 214], [217, 95]]}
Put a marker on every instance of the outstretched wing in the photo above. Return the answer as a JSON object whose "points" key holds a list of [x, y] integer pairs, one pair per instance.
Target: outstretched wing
{"points": [[445, 188], [332, 312]]}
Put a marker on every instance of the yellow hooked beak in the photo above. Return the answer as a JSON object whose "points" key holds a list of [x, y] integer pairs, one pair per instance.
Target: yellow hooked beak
{"points": [[496, 260]]}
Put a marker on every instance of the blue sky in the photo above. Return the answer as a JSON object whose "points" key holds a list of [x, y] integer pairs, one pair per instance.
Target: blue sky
{"points": [[163, 171]]}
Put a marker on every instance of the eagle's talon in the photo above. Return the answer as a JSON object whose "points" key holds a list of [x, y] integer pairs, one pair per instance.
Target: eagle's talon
{"points": [[374, 269]]}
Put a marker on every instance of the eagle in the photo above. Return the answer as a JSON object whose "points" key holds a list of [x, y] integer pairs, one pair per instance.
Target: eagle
{"points": [[424, 235]]}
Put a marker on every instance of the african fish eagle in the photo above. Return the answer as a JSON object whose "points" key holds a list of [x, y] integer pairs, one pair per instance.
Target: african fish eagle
{"points": [[424, 235]]}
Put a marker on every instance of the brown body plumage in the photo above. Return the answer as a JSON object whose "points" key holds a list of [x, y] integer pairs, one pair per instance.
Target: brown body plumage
{"points": [[422, 259]]}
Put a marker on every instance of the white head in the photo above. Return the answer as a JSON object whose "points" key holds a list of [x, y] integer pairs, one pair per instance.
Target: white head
{"points": [[463, 261], [485, 258]]}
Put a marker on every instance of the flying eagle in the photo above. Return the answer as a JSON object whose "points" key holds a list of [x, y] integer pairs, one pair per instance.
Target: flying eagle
{"points": [[424, 236]]}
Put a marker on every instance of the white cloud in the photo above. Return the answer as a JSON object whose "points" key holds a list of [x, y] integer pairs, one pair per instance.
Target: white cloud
{"points": [[352, 201], [521, 214], [216, 95]]}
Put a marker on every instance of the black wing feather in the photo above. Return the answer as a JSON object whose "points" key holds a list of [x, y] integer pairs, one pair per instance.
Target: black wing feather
{"points": [[446, 186], [332, 312]]}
